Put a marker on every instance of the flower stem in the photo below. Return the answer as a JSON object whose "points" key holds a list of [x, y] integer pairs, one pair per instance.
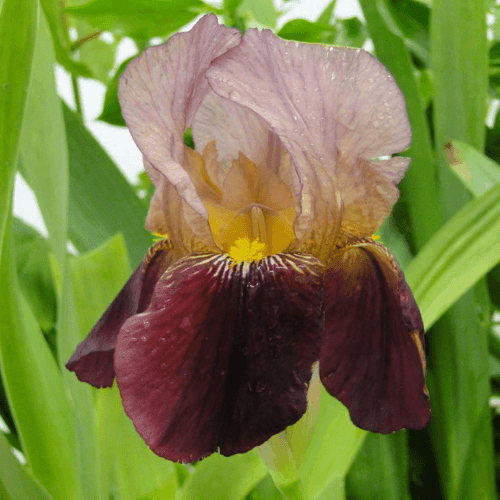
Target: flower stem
{"points": [[76, 95]]}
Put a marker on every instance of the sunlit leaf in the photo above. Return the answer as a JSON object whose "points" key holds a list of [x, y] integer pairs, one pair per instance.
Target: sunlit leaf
{"points": [[224, 478], [126, 466], [336, 440], [111, 111], [419, 188], [15, 481], [137, 18], [262, 11], [97, 54], [462, 252], [458, 347], [326, 16], [307, 31], [380, 469], [410, 20], [101, 201], [60, 37], [16, 53], [43, 153], [34, 387], [33, 270], [477, 172]]}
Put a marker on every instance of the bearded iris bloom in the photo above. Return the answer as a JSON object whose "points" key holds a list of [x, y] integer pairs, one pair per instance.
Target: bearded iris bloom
{"points": [[267, 264]]}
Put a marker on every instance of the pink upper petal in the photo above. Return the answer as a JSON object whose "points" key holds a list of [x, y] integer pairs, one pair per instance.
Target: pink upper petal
{"points": [[160, 92], [236, 129], [332, 107]]}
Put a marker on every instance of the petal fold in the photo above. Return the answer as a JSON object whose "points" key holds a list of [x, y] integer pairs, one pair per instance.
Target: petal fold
{"points": [[223, 356], [332, 108], [372, 356], [160, 92], [92, 360]]}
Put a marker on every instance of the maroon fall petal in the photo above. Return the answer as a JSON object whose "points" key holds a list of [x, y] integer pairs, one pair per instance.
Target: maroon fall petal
{"points": [[222, 357], [92, 360], [372, 357]]}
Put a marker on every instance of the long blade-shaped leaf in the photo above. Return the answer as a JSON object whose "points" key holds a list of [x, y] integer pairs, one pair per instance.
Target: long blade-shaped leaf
{"points": [[43, 151], [15, 481], [380, 469], [16, 53], [418, 188], [101, 201], [460, 254], [336, 440], [458, 347], [477, 172], [34, 387], [224, 478], [126, 465]]}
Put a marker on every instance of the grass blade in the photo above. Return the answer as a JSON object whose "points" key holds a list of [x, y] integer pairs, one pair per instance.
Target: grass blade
{"points": [[16, 53], [34, 387], [101, 201], [460, 254], [15, 481], [458, 346], [43, 152]]}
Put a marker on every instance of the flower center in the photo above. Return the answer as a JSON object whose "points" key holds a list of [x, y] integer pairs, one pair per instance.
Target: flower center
{"points": [[251, 233]]}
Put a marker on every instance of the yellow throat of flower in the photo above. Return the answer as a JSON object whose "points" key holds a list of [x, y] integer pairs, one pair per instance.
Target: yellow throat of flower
{"points": [[251, 233]]}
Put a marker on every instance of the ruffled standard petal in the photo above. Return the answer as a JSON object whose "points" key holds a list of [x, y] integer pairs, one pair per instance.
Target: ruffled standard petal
{"points": [[160, 92], [237, 129], [372, 357], [222, 358], [92, 360], [335, 109]]}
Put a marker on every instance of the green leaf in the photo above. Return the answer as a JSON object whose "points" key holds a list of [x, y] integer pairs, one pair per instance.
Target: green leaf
{"points": [[380, 469], [459, 255], [458, 347], [84, 279], [111, 111], [336, 440], [16, 54], [138, 18], [476, 171], [224, 478], [15, 481], [34, 387], [43, 153], [419, 188], [101, 201], [265, 490], [60, 38], [326, 16], [409, 19], [126, 466], [262, 11], [33, 270], [97, 55], [307, 31]]}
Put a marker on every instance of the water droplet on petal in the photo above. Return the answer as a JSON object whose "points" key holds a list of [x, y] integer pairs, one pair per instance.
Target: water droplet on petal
{"points": [[146, 324], [144, 339]]}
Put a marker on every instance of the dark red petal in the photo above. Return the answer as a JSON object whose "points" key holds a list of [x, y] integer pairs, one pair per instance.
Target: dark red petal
{"points": [[92, 360], [222, 357], [372, 357]]}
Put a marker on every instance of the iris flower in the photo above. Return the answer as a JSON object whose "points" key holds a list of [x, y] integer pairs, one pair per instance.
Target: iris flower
{"points": [[267, 263]]}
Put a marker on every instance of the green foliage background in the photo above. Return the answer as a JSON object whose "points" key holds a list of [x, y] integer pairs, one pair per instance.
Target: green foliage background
{"points": [[445, 231]]}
